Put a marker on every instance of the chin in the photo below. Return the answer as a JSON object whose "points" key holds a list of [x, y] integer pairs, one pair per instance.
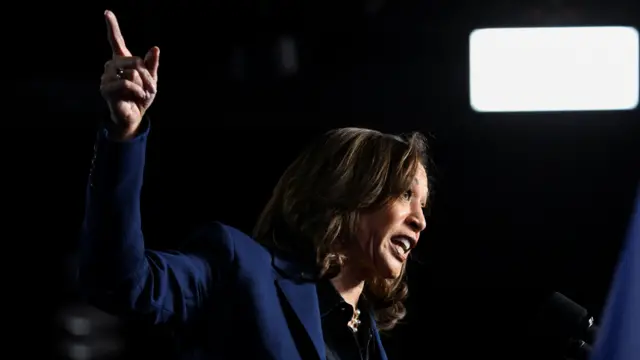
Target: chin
{"points": [[386, 267], [390, 272]]}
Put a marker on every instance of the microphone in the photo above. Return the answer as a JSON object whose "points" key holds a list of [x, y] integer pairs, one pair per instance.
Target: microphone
{"points": [[568, 319]]}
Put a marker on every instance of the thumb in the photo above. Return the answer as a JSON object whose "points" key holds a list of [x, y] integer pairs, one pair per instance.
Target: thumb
{"points": [[152, 61]]}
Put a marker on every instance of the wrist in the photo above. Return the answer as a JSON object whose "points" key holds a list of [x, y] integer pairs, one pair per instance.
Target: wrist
{"points": [[122, 132]]}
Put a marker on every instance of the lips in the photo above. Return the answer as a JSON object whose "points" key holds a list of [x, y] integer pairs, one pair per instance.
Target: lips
{"points": [[401, 247], [404, 242]]}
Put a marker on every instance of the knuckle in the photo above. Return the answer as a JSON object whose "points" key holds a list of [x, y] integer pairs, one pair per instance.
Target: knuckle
{"points": [[127, 62]]}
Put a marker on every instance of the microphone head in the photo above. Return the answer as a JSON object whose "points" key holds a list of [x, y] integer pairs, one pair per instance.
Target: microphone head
{"points": [[566, 311], [562, 316]]}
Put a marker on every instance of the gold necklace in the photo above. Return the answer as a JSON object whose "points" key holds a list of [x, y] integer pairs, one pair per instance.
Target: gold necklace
{"points": [[355, 321]]}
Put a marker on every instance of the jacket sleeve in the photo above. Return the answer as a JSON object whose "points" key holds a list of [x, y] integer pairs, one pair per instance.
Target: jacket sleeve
{"points": [[116, 272]]}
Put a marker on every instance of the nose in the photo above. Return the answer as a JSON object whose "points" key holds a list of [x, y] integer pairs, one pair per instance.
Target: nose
{"points": [[416, 220]]}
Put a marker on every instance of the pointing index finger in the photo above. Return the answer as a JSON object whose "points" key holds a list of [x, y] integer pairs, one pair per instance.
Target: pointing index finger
{"points": [[114, 35]]}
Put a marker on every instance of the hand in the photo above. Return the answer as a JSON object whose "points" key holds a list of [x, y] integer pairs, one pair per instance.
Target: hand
{"points": [[129, 84]]}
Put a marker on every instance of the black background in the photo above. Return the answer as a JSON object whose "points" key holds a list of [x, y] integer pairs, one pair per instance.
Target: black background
{"points": [[523, 203]]}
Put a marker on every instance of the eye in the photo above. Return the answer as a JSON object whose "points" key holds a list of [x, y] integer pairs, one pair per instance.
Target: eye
{"points": [[407, 194]]}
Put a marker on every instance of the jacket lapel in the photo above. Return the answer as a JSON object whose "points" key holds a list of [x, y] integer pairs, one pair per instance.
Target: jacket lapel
{"points": [[376, 334], [297, 283], [298, 288]]}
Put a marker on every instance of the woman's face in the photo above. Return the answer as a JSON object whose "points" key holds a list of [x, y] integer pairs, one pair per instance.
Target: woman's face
{"points": [[386, 237]]}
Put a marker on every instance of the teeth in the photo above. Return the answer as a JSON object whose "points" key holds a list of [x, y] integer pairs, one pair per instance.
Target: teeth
{"points": [[404, 243]]}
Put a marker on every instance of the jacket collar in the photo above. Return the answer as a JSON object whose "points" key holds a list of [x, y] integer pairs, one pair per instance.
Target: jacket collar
{"points": [[288, 267]]}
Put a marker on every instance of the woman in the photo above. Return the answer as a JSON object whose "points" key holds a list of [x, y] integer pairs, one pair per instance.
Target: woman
{"points": [[323, 272]]}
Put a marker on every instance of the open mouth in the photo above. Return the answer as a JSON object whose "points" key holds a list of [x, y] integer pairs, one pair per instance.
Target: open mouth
{"points": [[403, 243]]}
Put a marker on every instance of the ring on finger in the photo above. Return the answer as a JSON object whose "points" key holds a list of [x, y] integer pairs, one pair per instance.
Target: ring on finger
{"points": [[119, 73]]}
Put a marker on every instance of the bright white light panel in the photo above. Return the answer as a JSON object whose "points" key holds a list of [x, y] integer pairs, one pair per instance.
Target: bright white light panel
{"points": [[553, 69]]}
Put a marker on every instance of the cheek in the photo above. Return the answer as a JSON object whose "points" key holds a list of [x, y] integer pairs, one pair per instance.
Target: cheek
{"points": [[375, 229], [364, 235], [374, 232], [367, 236], [391, 220]]}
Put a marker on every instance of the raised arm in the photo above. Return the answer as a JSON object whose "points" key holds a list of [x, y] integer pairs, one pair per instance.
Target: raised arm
{"points": [[116, 272]]}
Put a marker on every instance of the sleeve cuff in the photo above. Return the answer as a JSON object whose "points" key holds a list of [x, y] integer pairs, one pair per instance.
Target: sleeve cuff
{"points": [[142, 133]]}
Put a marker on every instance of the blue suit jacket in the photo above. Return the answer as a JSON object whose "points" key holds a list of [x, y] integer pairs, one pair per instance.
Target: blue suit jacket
{"points": [[225, 295]]}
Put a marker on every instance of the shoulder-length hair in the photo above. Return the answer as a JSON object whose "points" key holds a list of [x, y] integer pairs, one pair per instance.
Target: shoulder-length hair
{"points": [[314, 209]]}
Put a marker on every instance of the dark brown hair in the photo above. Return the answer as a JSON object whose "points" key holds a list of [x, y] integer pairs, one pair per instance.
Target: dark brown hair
{"points": [[314, 208]]}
